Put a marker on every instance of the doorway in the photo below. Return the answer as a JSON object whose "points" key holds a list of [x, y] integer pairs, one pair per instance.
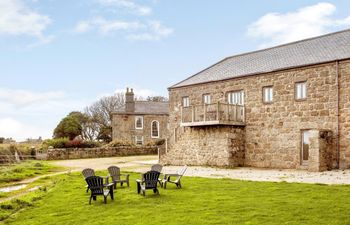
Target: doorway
{"points": [[305, 145]]}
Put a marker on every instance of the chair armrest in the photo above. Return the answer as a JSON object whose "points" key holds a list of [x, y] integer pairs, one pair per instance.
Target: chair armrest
{"points": [[171, 175], [125, 174], [108, 185], [139, 181]]}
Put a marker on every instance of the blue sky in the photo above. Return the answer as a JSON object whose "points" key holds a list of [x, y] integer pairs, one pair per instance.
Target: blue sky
{"points": [[62, 55]]}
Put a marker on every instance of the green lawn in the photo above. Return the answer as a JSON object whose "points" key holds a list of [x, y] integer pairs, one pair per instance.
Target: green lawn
{"points": [[24, 170], [201, 201]]}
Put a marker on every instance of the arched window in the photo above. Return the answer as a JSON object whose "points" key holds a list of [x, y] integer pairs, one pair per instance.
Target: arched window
{"points": [[155, 129]]}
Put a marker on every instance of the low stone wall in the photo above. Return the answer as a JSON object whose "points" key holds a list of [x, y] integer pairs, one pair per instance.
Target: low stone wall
{"points": [[83, 153]]}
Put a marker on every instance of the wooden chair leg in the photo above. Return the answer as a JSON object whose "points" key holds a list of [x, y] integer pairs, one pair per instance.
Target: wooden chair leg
{"points": [[90, 200]]}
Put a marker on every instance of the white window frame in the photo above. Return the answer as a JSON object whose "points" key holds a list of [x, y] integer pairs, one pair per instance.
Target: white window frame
{"points": [[152, 136], [136, 119], [185, 101], [235, 97], [207, 99], [301, 90], [137, 140], [268, 94]]}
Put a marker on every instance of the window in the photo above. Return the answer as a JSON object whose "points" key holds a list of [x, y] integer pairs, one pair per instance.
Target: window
{"points": [[236, 97], [139, 140], [185, 101], [207, 99], [155, 129], [268, 94], [139, 122], [300, 90]]}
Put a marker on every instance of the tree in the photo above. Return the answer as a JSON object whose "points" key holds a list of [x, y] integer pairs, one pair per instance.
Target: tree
{"points": [[157, 99], [2, 139], [101, 115], [70, 126]]}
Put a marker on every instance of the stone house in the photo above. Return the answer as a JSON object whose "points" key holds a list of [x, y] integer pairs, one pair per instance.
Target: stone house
{"points": [[141, 122], [282, 107]]}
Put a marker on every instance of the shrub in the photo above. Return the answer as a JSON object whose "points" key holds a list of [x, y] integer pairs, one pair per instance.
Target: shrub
{"points": [[74, 144], [120, 143], [57, 142], [91, 144], [156, 142]]}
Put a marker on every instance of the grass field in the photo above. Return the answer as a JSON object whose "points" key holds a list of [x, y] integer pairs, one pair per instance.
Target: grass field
{"points": [[201, 201], [24, 170]]}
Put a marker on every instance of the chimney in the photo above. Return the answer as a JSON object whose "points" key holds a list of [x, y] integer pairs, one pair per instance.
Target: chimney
{"points": [[129, 101]]}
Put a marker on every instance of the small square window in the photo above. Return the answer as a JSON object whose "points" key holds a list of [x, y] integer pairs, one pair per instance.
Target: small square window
{"points": [[139, 140], [186, 101], [139, 122], [206, 99], [300, 90], [235, 98], [268, 94]]}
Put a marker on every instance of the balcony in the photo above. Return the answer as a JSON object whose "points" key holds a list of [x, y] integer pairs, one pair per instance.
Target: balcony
{"points": [[212, 114]]}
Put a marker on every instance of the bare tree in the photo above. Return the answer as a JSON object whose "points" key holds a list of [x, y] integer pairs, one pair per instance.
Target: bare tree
{"points": [[157, 99], [101, 114]]}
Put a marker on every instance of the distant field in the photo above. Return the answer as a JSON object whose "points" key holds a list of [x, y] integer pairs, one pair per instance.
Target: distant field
{"points": [[23, 148]]}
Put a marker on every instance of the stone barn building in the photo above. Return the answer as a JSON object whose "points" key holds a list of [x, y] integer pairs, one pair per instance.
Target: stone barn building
{"points": [[282, 107], [141, 122]]}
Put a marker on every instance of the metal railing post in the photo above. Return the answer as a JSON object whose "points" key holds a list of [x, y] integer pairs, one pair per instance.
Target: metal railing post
{"points": [[218, 112]]}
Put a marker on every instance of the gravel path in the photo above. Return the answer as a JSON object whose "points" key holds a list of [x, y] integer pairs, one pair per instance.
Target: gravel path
{"points": [[143, 163]]}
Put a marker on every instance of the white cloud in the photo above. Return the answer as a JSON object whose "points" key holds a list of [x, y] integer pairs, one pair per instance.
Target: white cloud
{"points": [[17, 19], [27, 113], [150, 31], [156, 31], [310, 21], [10, 127], [20, 98], [129, 5], [105, 27]]}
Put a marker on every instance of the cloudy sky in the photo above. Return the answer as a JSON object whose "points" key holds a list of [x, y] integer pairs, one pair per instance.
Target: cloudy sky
{"points": [[61, 55]]}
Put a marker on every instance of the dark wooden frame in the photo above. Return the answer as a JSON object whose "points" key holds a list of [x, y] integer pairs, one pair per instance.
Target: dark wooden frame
{"points": [[98, 188], [149, 181]]}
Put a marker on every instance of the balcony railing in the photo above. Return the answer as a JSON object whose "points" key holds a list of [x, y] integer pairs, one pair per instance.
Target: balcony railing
{"points": [[212, 114]]}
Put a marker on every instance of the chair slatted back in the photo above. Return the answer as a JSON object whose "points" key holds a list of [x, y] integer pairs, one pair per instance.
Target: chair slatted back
{"points": [[181, 173], [114, 172], [95, 184], [88, 173], [157, 167], [151, 179]]}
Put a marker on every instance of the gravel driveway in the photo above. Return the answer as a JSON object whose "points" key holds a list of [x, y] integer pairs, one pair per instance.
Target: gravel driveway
{"points": [[143, 164]]}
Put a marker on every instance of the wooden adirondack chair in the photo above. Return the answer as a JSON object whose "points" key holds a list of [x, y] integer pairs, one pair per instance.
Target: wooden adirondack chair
{"points": [[88, 173], [177, 181], [149, 181], [98, 188], [116, 176]]}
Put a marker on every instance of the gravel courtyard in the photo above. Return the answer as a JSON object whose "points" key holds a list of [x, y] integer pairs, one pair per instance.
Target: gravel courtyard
{"points": [[143, 163]]}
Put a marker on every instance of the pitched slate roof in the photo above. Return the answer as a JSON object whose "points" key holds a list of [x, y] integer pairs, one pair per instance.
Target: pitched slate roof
{"points": [[148, 107], [326, 48]]}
